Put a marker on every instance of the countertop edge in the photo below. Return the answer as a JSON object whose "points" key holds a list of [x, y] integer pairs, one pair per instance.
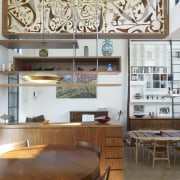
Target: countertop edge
{"points": [[58, 125]]}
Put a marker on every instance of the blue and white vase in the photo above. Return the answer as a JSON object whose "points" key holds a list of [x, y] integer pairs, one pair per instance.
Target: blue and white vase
{"points": [[107, 47]]}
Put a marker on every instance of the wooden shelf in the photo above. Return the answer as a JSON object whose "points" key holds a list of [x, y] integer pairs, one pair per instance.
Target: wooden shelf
{"points": [[62, 72], [58, 85], [91, 65], [40, 43], [78, 65]]}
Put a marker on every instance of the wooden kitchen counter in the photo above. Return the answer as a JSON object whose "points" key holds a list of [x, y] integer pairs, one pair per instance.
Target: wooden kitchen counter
{"points": [[109, 136]]}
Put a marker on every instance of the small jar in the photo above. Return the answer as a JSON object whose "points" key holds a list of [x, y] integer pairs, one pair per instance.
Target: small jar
{"points": [[43, 52], [148, 84], [107, 47], [9, 66], [109, 67], [86, 51], [3, 66]]}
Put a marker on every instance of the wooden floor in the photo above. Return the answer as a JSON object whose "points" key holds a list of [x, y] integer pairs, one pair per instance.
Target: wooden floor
{"points": [[144, 170]]}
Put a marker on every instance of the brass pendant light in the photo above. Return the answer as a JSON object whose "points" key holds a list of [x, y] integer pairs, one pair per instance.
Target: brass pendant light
{"points": [[42, 77]]}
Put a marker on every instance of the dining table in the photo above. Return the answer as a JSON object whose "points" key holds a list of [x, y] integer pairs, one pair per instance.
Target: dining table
{"points": [[49, 162], [139, 136]]}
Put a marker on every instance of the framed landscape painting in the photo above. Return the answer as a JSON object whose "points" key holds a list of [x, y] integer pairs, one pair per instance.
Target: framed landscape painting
{"points": [[84, 87]]}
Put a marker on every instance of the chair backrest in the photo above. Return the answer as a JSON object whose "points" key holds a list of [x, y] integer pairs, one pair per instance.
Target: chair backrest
{"points": [[11, 146], [105, 176], [90, 146], [161, 143]]}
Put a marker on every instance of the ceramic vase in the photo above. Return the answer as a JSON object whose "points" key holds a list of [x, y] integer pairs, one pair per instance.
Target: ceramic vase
{"points": [[107, 47]]}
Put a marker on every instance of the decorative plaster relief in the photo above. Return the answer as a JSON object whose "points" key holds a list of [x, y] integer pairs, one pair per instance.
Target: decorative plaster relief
{"points": [[83, 16]]}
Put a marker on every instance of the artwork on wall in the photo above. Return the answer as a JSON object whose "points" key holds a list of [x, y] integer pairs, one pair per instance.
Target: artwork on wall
{"points": [[76, 91], [125, 17], [164, 111]]}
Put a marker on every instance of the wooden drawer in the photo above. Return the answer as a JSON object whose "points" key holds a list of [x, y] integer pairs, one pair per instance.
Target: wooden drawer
{"points": [[116, 175], [116, 164], [113, 141], [113, 132], [113, 152]]}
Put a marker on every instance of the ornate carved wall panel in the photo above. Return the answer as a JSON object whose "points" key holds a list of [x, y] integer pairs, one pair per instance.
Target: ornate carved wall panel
{"points": [[122, 17]]}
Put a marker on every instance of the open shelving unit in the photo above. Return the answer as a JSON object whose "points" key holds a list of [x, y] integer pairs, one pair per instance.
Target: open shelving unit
{"points": [[153, 69], [78, 65]]}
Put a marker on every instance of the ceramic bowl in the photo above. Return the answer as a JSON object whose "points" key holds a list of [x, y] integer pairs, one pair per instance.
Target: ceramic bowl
{"points": [[103, 120]]}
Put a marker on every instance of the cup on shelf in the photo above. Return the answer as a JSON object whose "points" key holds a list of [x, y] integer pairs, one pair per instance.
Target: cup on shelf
{"points": [[9, 66], [3, 66], [86, 51]]}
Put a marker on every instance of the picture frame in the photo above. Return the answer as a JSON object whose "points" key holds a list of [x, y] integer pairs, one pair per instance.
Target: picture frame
{"points": [[164, 111], [77, 91]]}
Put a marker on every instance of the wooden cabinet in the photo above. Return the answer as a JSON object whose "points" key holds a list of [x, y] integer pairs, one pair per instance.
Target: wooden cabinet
{"points": [[153, 123], [108, 136], [110, 139], [76, 116], [68, 65], [114, 151]]}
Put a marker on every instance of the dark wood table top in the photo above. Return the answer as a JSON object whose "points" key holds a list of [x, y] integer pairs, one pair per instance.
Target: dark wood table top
{"points": [[44, 162]]}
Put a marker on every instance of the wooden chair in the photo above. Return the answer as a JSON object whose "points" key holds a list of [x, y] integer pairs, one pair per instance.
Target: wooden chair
{"points": [[145, 144], [90, 146], [160, 151], [177, 151], [129, 145], [11, 146], [105, 176]]}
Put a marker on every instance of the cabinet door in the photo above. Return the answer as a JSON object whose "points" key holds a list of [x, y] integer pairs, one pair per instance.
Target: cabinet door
{"points": [[93, 135], [90, 134], [53, 136]]}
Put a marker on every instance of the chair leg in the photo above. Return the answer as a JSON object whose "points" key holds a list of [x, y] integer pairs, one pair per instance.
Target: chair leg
{"points": [[153, 160], [175, 157], [168, 160], [148, 156], [168, 163]]}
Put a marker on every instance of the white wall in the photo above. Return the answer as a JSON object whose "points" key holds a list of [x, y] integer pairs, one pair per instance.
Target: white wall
{"points": [[174, 23], [57, 110]]}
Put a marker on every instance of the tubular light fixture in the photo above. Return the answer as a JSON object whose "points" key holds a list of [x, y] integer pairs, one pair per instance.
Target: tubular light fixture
{"points": [[42, 77]]}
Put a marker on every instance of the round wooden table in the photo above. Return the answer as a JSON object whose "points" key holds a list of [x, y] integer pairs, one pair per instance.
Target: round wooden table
{"points": [[49, 162]]}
